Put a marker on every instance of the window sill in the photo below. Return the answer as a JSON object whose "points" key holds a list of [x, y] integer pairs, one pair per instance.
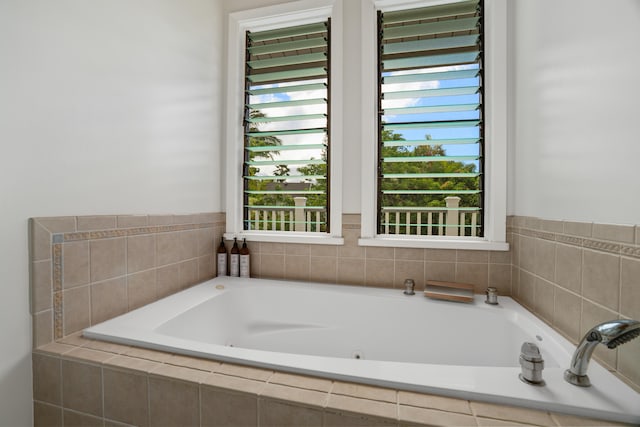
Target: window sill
{"points": [[279, 237], [434, 242]]}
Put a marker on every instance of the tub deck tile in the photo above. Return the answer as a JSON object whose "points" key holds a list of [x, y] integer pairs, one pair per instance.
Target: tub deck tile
{"points": [[301, 381], [297, 395], [143, 353], [231, 383], [512, 413], [491, 422], [431, 401], [108, 347], [133, 363], [54, 348], [75, 339], [364, 391], [86, 355], [194, 363], [332, 419], [244, 372], [362, 406], [565, 420], [179, 373], [434, 417]]}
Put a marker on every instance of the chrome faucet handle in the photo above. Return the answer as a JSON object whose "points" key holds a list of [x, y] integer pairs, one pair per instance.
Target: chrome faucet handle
{"points": [[409, 286], [532, 364], [492, 295]]}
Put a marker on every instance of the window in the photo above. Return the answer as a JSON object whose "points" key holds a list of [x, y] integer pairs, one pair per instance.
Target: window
{"points": [[440, 161], [286, 135], [430, 120], [284, 113]]}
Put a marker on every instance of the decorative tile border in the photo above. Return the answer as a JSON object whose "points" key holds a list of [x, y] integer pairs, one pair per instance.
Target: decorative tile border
{"points": [[616, 248], [566, 296], [55, 232]]}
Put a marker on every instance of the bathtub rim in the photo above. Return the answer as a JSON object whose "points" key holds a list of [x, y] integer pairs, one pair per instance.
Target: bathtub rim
{"points": [[389, 378]]}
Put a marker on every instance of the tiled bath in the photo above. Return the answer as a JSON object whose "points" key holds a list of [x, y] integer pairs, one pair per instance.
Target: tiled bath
{"points": [[576, 275], [88, 269]]}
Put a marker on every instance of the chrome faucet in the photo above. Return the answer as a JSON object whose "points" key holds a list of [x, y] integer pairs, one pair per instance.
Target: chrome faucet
{"points": [[409, 286], [611, 334], [532, 364]]}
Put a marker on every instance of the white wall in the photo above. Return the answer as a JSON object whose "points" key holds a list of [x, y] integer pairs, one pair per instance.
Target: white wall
{"points": [[576, 142], [106, 106]]}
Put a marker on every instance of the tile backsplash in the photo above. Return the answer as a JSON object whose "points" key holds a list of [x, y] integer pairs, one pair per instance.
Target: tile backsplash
{"points": [[379, 266], [575, 275], [572, 275], [88, 269]]}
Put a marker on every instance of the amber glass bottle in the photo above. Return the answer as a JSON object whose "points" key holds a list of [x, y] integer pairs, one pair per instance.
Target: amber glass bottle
{"points": [[245, 260], [221, 257], [234, 262]]}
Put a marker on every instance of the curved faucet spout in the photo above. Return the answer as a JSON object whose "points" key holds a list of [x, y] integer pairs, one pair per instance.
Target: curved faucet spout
{"points": [[611, 334]]}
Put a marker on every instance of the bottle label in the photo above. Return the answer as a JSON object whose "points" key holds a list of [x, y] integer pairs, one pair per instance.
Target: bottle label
{"points": [[222, 264], [234, 265], [245, 265]]}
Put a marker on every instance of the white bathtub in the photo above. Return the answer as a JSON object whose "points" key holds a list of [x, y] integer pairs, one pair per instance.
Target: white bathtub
{"points": [[373, 336]]}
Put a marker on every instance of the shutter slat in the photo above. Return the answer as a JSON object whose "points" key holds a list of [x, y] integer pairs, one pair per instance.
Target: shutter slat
{"points": [[429, 175], [260, 149], [294, 103], [402, 143], [287, 118], [300, 30], [285, 132], [431, 192], [285, 177], [428, 93], [430, 77], [430, 159], [278, 76], [431, 61], [431, 125], [431, 28], [310, 43], [431, 44], [283, 192], [287, 89], [431, 109], [285, 162], [440, 11], [287, 60]]}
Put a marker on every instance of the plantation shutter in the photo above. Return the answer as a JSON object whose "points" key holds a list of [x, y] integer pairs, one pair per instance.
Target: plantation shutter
{"points": [[430, 120], [286, 139]]}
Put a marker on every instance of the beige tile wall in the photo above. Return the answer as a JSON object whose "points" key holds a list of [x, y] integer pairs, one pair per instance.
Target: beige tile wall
{"points": [[574, 275], [84, 382], [88, 269], [382, 267]]}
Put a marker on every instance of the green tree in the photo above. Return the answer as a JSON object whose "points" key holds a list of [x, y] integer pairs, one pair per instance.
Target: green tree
{"points": [[260, 141], [282, 170], [430, 166]]}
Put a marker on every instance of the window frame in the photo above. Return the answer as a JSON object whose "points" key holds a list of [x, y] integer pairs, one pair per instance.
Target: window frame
{"points": [[262, 19], [495, 131]]}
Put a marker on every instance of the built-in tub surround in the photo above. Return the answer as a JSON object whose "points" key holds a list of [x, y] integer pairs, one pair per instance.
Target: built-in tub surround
{"points": [[575, 275], [88, 269], [386, 267], [73, 363], [83, 382], [458, 350]]}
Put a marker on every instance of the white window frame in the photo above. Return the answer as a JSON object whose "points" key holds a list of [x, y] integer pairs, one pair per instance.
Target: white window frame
{"points": [[262, 19], [495, 109]]}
